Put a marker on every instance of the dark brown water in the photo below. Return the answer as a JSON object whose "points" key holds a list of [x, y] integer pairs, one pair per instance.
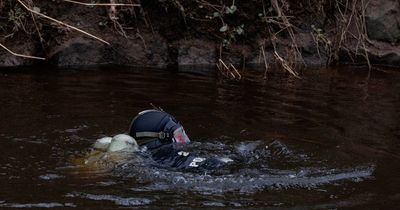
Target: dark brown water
{"points": [[333, 139]]}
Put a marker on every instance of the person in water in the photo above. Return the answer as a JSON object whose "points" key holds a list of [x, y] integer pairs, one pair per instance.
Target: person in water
{"points": [[164, 138], [159, 135]]}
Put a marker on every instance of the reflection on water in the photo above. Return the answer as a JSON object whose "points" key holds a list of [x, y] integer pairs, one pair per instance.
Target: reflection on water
{"points": [[328, 140]]}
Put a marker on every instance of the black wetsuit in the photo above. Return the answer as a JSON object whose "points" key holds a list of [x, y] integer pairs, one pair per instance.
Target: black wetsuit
{"points": [[171, 155]]}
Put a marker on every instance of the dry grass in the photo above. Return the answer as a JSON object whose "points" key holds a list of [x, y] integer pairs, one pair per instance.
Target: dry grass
{"points": [[350, 29], [282, 23], [352, 14]]}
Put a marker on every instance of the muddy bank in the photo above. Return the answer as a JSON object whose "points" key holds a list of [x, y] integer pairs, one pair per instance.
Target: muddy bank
{"points": [[171, 33]]}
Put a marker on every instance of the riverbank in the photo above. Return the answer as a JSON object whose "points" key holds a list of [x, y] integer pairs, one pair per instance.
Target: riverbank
{"points": [[170, 33]]}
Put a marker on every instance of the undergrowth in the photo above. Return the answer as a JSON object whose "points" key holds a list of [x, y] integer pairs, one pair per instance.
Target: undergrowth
{"points": [[334, 25]]}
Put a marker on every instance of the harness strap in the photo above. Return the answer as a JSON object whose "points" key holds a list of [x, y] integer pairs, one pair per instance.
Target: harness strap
{"points": [[160, 135]]}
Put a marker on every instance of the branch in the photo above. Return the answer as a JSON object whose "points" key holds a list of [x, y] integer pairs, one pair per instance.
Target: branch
{"points": [[62, 23], [21, 55], [102, 4]]}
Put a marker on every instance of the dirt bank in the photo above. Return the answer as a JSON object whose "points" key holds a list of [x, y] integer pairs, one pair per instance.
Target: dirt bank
{"points": [[170, 32]]}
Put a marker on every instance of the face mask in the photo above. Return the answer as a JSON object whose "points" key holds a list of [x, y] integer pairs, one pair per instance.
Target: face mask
{"points": [[180, 136]]}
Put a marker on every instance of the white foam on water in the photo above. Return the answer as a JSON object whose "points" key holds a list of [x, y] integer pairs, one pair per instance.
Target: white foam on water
{"points": [[122, 201], [36, 205]]}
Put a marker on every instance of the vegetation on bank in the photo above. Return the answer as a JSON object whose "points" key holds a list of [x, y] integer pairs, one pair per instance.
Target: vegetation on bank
{"points": [[333, 25]]}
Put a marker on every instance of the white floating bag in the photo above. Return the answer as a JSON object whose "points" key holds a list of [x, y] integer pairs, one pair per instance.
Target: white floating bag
{"points": [[123, 142], [102, 144]]}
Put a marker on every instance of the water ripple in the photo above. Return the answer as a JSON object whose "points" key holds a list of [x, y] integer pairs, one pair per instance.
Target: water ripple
{"points": [[116, 199]]}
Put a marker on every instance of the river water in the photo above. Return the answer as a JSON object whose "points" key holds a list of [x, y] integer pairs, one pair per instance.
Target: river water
{"points": [[327, 140]]}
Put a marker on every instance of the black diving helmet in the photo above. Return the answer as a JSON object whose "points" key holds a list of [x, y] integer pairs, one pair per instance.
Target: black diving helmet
{"points": [[157, 124]]}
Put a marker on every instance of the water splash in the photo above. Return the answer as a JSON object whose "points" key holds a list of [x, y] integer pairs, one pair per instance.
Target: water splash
{"points": [[122, 201], [250, 172], [36, 205]]}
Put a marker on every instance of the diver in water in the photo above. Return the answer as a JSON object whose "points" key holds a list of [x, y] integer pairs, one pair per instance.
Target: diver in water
{"points": [[163, 137], [159, 136]]}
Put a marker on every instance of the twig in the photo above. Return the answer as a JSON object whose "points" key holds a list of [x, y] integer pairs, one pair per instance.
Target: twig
{"points": [[364, 34], [225, 69], [102, 4], [112, 15], [352, 15], [222, 63], [228, 71], [156, 108], [284, 63], [21, 55], [265, 60], [236, 71], [141, 37], [289, 28], [37, 30], [316, 41], [62, 23]]}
